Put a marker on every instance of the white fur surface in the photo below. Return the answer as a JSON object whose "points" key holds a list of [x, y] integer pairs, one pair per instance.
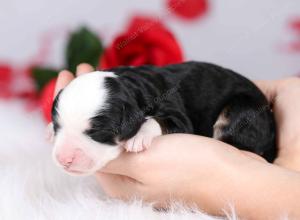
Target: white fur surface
{"points": [[33, 188]]}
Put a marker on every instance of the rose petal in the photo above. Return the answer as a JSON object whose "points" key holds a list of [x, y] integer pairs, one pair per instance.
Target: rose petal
{"points": [[146, 41], [188, 9], [46, 99], [295, 25], [5, 73], [139, 60]]}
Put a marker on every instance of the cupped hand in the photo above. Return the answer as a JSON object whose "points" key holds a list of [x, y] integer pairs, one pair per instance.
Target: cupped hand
{"points": [[284, 95], [178, 164], [177, 167]]}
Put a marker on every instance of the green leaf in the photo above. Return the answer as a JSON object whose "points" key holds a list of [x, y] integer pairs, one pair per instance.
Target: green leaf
{"points": [[83, 47], [42, 76]]}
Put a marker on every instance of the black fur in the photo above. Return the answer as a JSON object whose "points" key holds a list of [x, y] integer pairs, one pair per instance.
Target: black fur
{"points": [[186, 98], [54, 113]]}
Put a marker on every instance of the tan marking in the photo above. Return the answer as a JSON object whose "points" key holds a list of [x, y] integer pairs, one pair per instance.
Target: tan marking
{"points": [[221, 122]]}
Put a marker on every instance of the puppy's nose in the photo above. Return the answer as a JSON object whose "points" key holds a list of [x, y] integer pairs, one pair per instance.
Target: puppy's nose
{"points": [[71, 157], [68, 156], [65, 160], [74, 159]]}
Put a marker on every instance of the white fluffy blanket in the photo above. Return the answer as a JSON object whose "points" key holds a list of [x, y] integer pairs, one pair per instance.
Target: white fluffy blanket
{"points": [[32, 188]]}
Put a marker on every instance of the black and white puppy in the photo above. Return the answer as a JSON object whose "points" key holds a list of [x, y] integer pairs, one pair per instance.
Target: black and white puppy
{"points": [[100, 113]]}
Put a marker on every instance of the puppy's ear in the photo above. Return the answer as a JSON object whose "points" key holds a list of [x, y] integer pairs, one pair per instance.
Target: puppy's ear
{"points": [[50, 133], [131, 121]]}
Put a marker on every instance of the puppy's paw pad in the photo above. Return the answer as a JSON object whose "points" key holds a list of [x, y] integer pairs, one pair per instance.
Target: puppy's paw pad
{"points": [[138, 143]]}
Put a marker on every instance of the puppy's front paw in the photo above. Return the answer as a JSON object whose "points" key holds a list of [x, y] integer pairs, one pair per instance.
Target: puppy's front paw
{"points": [[138, 143], [143, 139]]}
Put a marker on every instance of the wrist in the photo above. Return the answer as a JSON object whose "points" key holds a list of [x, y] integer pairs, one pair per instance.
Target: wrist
{"points": [[219, 190], [237, 177], [289, 155], [250, 186]]}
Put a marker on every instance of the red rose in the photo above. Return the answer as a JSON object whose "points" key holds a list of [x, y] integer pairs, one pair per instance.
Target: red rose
{"points": [[46, 99], [188, 9], [5, 80], [295, 45], [295, 25], [146, 41]]}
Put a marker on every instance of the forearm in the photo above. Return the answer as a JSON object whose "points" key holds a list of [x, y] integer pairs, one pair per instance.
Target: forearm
{"points": [[257, 190]]}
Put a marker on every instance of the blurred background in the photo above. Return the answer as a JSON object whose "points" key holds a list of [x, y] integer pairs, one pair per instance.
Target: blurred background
{"points": [[251, 37]]}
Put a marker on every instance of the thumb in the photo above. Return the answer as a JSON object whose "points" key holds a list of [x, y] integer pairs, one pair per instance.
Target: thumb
{"points": [[119, 186], [63, 79]]}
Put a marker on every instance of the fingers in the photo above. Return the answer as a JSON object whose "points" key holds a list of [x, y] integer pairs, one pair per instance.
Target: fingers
{"points": [[127, 164], [63, 79], [269, 88], [136, 165], [118, 186], [84, 68], [65, 76], [161, 155]]}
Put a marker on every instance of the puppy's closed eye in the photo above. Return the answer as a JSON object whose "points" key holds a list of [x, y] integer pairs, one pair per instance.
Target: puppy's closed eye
{"points": [[102, 136]]}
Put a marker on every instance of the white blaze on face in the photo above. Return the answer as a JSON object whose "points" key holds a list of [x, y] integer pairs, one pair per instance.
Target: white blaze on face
{"points": [[80, 101]]}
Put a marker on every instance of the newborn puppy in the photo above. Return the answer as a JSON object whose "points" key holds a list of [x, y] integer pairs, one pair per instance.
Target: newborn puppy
{"points": [[100, 113]]}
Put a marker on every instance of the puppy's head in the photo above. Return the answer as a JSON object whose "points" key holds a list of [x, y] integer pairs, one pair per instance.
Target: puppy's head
{"points": [[86, 124]]}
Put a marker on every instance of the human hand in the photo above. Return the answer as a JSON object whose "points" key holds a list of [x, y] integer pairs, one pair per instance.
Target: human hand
{"points": [[180, 167], [280, 93], [285, 97]]}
